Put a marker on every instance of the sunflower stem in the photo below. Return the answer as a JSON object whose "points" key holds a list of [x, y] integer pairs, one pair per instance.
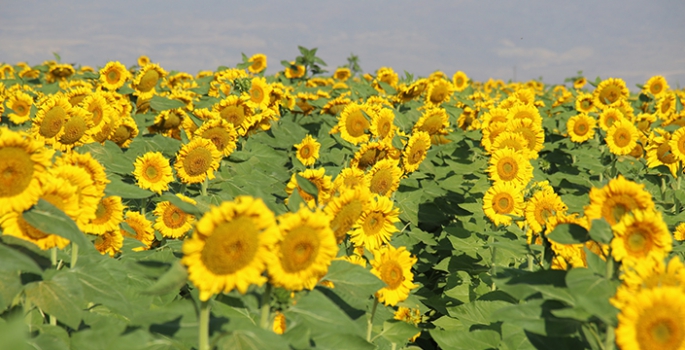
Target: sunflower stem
{"points": [[369, 327], [266, 307], [203, 188], [203, 336], [53, 260], [610, 338], [530, 262], [74, 254]]}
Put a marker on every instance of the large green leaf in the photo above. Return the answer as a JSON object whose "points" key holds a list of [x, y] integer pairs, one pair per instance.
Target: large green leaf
{"points": [[353, 280], [398, 332], [601, 231], [110, 156], [175, 278], [60, 296], [569, 234], [473, 340], [251, 339], [46, 217], [100, 286], [341, 341], [477, 311], [160, 103], [322, 315], [125, 190], [12, 260], [592, 293]]}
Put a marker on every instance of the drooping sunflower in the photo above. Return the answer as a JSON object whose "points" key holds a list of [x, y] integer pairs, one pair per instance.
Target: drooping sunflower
{"points": [[259, 94], [460, 81], [221, 133], [50, 118], [384, 178], [20, 103], [346, 209], [508, 165], [235, 110], [653, 319], [656, 86], [114, 75], [349, 178], [543, 205], [659, 151], [197, 160], [376, 224], [434, 121], [412, 91], [171, 221], [124, 134], [677, 144], [585, 103], [639, 234], [371, 153], [308, 150], [304, 250], [168, 122], [581, 127], [622, 137], [23, 163], [342, 74], [258, 63], [617, 198], [153, 172], [87, 192], [319, 178], [438, 91], [95, 170], [60, 72], [108, 216], [230, 248], [353, 125], [579, 82], [76, 131], [294, 71], [335, 105], [502, 200], [147, 78], [142, 228], [382, 125], [610, 92], [143, 60], [415, 151], [109, 243], [393, 266]]}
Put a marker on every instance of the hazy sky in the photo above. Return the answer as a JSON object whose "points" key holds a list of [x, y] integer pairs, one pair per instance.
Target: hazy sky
{"points": [[629, 39]]}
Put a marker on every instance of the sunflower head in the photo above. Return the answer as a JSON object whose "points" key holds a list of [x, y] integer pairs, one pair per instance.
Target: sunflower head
{"points": [[393, 266], [258, 63]]}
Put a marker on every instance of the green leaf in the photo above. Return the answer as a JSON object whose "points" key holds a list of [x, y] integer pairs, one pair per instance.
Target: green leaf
{"points": [[252, 339], [569, 234], [601, 231], [12, 260], [183, 205], [110, 156], [592, 293], [10, 287], [175, 278], [477, 311], [159, 103], [473, 340], [398, 332], [99, 285], [60, 296], [46, 217], [116, 187], [307, 186], [353, 280], [322, 315], [342, 341]]}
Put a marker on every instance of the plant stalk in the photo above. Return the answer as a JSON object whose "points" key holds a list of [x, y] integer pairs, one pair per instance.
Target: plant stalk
{"points": [[266, 307], [203, 335], [369, 327], [74, 254]]}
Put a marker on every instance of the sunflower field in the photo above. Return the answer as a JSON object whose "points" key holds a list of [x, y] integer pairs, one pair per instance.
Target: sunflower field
{"points": [[142, 208]]}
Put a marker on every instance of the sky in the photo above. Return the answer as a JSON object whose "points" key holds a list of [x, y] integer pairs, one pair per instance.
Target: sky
{"points": [[508, 40]]}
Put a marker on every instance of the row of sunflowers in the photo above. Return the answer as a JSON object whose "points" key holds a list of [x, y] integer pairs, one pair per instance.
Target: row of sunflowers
{"points": [[232, 209]]}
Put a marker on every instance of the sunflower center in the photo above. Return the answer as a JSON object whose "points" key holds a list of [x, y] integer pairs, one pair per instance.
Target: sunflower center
{"points": [[370, 157], [508, 168], [384, 128], [174, 217], [148, 81], [381, 181], [299, 249], [231, 246], [74, 129], [663, 153], [173, 120], [102, 213], [503, 203], [121, 134], [611, 94], [97, 114], [638, 242], [460, 81], [233, 114], [666, 105], [152, 174], [432, 124], [439, 94], [16, 171], [656, 88], [305, 152], [622, 137], [219, 137], [357, 124], [112, 76], [373, 223], [580, 128], [417, 153], [345, 219], [256, 94], [53, 121], [197, 161], [391, 274], [21, 108]]}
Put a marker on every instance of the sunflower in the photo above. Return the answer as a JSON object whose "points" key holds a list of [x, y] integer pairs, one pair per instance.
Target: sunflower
{"points": [[393, 267], [415, 151], [622, 137], [581, 128], [197, 160], [438, 91], [679, 233], [124, 134], [579, 82], [304, 250], [412, 91], [60, 72], [109, 243], [294, 71], [656, 85], [258, 63], [220, 132], [87, 192], [147, 78], [259, 94], [382, 125], [349, 178], [143, 60], [616, 199], [376, 224], [23, 163], [114, 75], [308, 150], [541, 206], [500, 201], [609, 116], [76, 131], [371, 153], [235, 110], [279, 324], [346, 209], [513, 140], [168, 122], [610, 92], [86, 161], [659, 152], [666, 106], [230, 248], [384, 178], [532, 132], [640, 234], [571, 254], [491, 132], [650, 273], [342, 74], [353, 125], [51, 116], [20, 103], [171, 221], [57, 192], [336, 105], [508, 165], [585, 103], [153, 172], [142, 227], [434, 121], [108, 216], [319, 178], [460, 81], [653, 319], [101, 114]]}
